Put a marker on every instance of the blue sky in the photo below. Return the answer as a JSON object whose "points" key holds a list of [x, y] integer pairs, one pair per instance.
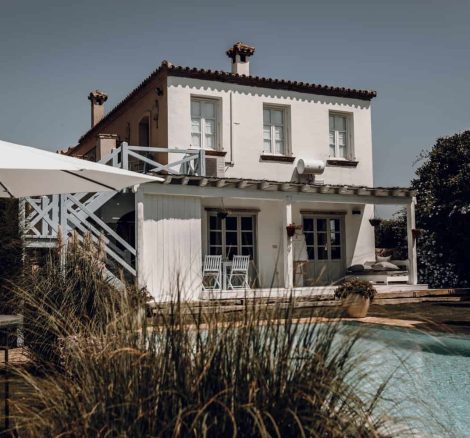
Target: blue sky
{"points": [[415, 53]]}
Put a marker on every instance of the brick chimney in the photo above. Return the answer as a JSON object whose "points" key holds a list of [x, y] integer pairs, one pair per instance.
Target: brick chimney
{"points": [[97, 99], [239, 54], [105, 145]]}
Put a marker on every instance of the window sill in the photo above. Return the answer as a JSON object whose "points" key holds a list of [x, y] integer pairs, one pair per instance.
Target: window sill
{"points": [[212, 153], [278, 158], [342, 163]]}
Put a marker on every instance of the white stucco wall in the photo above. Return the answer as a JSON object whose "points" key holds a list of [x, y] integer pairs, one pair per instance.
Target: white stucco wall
{"points": [[172, 246], [241, 128], [175, 239]]}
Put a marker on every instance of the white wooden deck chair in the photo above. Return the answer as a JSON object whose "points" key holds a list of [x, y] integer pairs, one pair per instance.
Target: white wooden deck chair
{"points": [[212, 273], [238, 278]]}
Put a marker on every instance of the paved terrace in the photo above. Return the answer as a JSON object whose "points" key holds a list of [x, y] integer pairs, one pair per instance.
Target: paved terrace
{"points": [[426, 309]]}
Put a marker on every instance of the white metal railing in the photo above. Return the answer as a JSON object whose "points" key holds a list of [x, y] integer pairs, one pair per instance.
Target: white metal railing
{"points": [[44, 218]]}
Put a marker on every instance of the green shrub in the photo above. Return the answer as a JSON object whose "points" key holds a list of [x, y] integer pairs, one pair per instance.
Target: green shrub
{"points": [[355, 286], [391, 234], [443, 210]]}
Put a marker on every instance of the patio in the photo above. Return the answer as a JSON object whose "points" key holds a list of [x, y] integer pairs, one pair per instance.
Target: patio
{"points": [[194, 216]]}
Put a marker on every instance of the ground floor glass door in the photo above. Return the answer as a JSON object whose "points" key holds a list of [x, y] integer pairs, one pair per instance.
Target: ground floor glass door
{"points": [[324, 236], [233, 235]]}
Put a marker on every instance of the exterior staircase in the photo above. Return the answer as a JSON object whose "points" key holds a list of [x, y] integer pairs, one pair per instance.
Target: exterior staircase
{"points": [[47, 219]]}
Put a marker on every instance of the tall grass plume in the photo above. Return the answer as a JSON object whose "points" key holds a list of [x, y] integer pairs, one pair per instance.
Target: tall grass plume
{"points": [[184, 372]]}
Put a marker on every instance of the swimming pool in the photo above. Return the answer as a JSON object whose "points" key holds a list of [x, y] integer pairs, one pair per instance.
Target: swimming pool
{"points": [[431, 376]]}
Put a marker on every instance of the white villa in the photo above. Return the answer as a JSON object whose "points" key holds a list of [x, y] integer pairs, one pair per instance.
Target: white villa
{"points": [[243, 157]]}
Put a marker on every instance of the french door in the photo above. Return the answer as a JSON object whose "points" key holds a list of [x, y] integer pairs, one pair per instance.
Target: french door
{"points": [[234, 235], [324, 236]]}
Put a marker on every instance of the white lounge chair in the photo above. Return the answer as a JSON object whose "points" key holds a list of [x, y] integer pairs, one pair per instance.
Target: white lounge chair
{"points": [[212, 273], [238, 278]]}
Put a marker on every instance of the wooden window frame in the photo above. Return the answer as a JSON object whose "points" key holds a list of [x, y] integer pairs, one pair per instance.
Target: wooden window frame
{"points": [[314, 232], [349, 155], [286, 130], [238, 214], [217, 115]]}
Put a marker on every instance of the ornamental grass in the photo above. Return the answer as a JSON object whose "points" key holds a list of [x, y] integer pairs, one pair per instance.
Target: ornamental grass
{"points": [[108, 370]]}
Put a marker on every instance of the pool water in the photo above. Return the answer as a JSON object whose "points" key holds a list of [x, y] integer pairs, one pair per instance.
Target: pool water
{"points": [[430, 376]]}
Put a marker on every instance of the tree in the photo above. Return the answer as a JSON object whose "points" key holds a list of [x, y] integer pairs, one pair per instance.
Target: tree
{"points": [[443, 212], [391, 234]]}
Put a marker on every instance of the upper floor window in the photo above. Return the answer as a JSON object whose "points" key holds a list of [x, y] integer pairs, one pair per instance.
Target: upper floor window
{"points": [[274, 130], [203, 123], [339, 136]]}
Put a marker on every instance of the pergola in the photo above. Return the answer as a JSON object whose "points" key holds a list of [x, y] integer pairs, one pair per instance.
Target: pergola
{"points": [[287, 193]]}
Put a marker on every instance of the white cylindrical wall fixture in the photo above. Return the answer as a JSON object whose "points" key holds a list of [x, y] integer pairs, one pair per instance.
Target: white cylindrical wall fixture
{"points": [[312, 167]]}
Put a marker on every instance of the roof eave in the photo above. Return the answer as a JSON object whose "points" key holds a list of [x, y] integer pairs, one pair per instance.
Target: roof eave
{"points": [[261, 82]]}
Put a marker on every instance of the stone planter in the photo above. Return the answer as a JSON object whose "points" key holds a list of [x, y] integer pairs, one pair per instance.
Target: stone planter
{"points": [[356, 306]]}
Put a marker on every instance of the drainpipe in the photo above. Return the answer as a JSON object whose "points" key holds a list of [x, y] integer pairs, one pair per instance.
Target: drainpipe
{"points": [[232, 161]]}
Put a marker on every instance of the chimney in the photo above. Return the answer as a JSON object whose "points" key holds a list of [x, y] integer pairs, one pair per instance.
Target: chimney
{"points": [[239, 55], [105, 145], [97, 99]]}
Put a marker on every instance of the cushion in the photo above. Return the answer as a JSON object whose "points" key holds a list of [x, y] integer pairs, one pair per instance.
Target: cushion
{"points": [[356, 268], [359, 268], [384, 259], [385, 266]]}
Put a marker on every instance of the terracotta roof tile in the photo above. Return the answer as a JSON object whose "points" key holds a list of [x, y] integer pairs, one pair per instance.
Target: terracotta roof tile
{"points": [[257, 81]]}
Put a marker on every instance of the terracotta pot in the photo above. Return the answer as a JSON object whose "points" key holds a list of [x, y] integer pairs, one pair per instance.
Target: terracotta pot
{"points": [[356, 305]]}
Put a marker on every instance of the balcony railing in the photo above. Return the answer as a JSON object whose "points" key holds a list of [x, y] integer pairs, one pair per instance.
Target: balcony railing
{"points": [[144, 159]]}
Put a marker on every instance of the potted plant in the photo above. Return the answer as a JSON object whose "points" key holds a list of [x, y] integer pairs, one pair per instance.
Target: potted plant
{"points": [[291, 229], [356, 296]]}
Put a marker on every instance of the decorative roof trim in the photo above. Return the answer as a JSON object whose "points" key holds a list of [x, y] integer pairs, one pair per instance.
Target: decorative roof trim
{"points": [[277, 84]]}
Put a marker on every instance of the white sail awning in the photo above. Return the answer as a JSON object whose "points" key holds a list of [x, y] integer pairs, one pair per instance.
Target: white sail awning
{"points": [[28, 171]]}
